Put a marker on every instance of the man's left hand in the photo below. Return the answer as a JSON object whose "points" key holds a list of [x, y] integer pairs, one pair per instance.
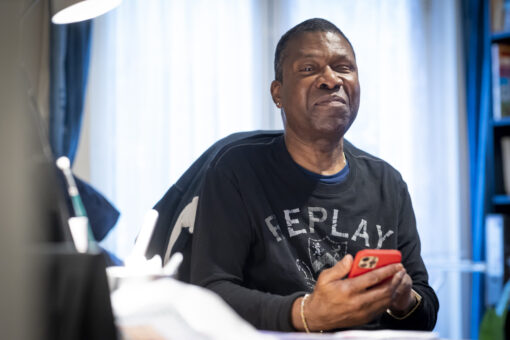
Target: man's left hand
{"points": [[403, 298]]}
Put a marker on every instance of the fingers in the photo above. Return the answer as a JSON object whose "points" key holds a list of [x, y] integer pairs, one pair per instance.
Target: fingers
{"points": [[338, 303], [377, 276], [403, 298], [373, 302], [338, 271], [402, 283], [376, 290]]}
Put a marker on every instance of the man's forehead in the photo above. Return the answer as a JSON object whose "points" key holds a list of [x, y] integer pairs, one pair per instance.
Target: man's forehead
{"points": [[315, 44]]}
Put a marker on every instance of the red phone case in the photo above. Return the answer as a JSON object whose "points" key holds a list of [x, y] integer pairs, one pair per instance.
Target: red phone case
{"points": [[370, 259]]}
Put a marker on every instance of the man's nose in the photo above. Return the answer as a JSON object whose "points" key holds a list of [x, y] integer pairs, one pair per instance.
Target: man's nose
{"points": [[329, 79]]}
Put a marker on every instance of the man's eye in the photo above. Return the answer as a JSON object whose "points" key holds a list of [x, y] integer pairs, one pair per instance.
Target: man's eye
{"points": [[343, 68], [307, 69]]}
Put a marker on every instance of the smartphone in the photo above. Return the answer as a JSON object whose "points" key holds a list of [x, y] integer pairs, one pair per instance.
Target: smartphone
{"points": [[370, 259]]}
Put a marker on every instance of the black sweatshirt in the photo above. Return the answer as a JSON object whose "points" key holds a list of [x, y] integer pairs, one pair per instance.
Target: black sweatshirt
{"points": [[265, 230]]}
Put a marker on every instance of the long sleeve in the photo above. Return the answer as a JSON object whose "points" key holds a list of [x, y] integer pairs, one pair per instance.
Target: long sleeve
{"points": [[264, 231], [221, 244], [424, 317]]}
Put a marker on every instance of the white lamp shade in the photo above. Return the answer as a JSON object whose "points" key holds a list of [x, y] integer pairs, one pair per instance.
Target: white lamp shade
{"points": [[69, 11]]}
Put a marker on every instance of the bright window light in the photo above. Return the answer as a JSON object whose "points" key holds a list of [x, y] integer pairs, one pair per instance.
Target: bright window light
{"points": [[84, 10]]}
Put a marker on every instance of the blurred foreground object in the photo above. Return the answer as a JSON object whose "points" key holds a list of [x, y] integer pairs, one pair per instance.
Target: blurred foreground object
{"points": [[69, 11], [170, 309]]}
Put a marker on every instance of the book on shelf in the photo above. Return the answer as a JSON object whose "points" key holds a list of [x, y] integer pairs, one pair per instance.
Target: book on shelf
{"points": [[505, 157], [500, 15], [501, 80], [497, 256]]}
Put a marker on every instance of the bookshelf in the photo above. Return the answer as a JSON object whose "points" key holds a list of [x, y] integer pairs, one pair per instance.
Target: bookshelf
{"points": [[501, 200], [499, 193], [497, 180], [500, 36], [501, 123], [498, 187]]}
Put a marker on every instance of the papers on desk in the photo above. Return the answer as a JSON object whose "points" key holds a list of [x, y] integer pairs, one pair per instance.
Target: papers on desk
{"points": [[147, 304], [169, 309], [354, 334], [387, 334]]}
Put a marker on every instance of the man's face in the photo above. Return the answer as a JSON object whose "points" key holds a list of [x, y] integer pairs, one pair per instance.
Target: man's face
{"points": [[319, 91]]}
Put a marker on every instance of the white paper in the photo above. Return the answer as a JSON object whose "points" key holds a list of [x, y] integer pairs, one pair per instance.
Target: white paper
{"points": [[175, 310], [357, 334]]}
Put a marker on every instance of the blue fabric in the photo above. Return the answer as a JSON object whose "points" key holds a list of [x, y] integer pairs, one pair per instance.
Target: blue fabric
{"points": [[70, 54], [476, 35], [101, 213], [331, 179]]}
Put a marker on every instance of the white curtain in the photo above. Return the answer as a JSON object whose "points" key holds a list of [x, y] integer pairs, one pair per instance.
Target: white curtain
{"points": [[168, 78]]}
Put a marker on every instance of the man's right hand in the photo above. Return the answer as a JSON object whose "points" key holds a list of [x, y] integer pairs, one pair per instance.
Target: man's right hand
{"points": [[340, 303]]}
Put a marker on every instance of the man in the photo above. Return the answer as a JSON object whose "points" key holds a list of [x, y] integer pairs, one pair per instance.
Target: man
{"points": [[280, 218]]}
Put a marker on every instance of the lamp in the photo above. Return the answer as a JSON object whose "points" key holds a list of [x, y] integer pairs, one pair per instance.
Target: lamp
{"points": [[69, 11]]}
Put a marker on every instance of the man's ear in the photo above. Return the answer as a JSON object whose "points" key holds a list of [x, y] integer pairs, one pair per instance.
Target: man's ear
{"points": [[275, 92]]}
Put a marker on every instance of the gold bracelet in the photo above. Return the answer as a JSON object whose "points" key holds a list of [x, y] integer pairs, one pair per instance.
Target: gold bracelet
{"points": [[303, 319], [418, 301], [303, 312]]}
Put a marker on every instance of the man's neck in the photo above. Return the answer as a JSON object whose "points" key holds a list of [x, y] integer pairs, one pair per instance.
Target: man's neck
{"points": [[322, 155]]}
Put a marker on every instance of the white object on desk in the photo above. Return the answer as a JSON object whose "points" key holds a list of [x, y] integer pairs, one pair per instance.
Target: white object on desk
{"points": [[169, 309], [79, 232], [170, 269], [143, 239], [142, 271], [137, 269], [383, 334]]}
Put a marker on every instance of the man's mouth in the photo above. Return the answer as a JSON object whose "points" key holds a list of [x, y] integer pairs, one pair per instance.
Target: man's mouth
{"points": [[330, 100]]}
